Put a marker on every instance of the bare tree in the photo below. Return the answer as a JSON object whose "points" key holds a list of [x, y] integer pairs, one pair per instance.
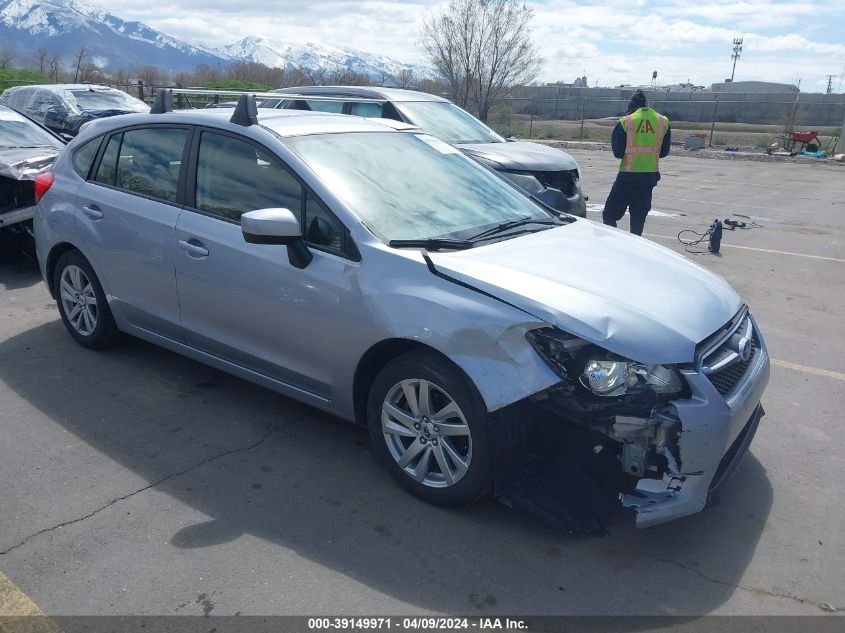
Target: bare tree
{"points": [[317, 76], [120, 77], [78, 64], [6, 57], [150, 75], [405, 78], [205, 74], [41, 55], [483, 48], [54, 65], [296, 76], [347, 77], [90, 73]]}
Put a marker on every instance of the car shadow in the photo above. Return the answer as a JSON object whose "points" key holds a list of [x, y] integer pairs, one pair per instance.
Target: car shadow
{"points": [[17, 270], [260, 464]]}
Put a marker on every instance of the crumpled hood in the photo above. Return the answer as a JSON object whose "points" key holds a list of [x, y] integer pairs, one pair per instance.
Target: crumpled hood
{"points": [[621, 292], [25, 163], [522, 155]]}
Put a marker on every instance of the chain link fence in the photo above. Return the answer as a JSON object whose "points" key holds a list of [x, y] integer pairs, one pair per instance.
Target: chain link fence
{"points": [[757, 120]]}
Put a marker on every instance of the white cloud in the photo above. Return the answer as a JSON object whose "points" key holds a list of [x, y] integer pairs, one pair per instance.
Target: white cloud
{"points": [[616, 41]]}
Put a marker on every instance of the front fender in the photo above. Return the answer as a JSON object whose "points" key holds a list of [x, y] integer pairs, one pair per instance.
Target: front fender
{"points": [[482, 336]]}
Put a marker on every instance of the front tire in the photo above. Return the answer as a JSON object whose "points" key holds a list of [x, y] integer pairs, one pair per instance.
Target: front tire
{"points": [[428, 425], [82, 302]]}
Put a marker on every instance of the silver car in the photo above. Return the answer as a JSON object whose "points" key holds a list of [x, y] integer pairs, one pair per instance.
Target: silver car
{"points": [[379, 274]]}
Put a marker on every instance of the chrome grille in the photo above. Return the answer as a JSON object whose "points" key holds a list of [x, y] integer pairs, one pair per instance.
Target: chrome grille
{"points": [[728, 362]]}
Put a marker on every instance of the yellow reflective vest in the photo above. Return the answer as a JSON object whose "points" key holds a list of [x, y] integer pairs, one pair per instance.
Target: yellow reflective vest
{"points": [[644, 132]]}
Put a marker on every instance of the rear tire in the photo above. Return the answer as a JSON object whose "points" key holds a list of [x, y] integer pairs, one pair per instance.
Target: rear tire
{"points": [[428, 425], [82, 302]]}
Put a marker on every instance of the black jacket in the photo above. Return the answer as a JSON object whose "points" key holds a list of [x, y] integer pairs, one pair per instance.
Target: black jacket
{"points": [[618, 140]]}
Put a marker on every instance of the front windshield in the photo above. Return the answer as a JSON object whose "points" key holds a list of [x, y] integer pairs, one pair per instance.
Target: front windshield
{"points": [[18, 131], [413, 186], [94, 100], [447, 121]]}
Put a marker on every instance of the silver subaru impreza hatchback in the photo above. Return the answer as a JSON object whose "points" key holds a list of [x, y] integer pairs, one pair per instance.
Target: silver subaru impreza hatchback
{"points": [[490, 344]]}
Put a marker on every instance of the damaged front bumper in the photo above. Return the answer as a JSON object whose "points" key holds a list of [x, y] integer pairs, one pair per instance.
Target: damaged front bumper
{"points": [[664, 459], [715, 435]]}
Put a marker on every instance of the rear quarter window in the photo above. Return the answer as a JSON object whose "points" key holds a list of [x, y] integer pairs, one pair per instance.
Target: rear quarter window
{"points": [[365, 109], [83, 157], [335, 107]]}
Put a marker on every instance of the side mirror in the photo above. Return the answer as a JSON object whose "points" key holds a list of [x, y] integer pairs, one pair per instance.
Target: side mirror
{"points": [[277, 226]]}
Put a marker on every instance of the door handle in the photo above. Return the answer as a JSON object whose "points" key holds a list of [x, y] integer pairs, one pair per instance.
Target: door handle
{"points": [[92, 211], [193, 248]]}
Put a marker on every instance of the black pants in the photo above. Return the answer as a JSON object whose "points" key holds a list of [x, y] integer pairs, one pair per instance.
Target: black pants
{"points": [[632, 196]]}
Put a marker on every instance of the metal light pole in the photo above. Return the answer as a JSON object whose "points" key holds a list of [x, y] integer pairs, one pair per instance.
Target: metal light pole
{"points": [[737, 53]]}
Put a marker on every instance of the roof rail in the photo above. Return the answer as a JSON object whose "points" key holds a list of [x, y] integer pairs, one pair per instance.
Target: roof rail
{"points": [[163, 102], [264, 95], [246, 112]]}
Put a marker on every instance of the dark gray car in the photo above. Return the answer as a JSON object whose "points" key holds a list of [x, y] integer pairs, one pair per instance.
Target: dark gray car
{"points": [[548, 173], [65, 108]]}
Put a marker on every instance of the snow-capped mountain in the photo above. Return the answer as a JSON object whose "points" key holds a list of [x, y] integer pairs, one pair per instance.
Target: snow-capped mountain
{"points": [[64, 26], [313, 55]]}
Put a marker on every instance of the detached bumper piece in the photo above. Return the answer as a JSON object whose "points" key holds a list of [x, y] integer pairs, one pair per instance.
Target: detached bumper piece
{"points": [[551, 471]]}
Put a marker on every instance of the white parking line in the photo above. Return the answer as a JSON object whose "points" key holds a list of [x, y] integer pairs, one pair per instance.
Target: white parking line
{"points": [[721, 204], [808, 370], [761, 250], [593, 207]]}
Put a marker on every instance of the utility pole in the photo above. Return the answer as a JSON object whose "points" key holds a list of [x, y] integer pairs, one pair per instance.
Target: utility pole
{"points": [[737, 53], [830, 84]]}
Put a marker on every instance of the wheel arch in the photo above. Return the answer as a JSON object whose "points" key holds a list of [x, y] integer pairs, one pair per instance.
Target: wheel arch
{"points": [[377, 357], [52, 259]]}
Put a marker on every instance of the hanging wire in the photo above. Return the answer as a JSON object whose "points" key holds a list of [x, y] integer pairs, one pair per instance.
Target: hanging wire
{"points": [[701, 237]]}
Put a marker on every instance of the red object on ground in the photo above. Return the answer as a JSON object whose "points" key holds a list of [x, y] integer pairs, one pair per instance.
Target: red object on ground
{"points": [[804, 137]]}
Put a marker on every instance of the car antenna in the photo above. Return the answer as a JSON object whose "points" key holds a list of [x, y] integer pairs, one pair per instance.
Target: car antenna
{"points": [[246, 112], [163, 102]]}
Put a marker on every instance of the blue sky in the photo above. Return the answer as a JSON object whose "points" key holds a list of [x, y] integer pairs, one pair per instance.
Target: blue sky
{"points": [[613, 41]]}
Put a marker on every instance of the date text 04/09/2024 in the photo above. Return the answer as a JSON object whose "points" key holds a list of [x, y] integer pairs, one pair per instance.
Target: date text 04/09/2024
{"points": [[424, 623]]}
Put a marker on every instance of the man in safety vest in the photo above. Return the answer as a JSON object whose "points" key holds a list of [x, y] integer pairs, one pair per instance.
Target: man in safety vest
{"points": [[640, 139]]}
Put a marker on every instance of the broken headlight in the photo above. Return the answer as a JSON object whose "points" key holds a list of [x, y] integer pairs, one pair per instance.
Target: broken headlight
{"points": [[616, 378], [597, 370]]}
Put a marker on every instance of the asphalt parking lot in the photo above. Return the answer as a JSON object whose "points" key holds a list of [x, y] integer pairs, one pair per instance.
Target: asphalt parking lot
{"points": [[135, 481]]}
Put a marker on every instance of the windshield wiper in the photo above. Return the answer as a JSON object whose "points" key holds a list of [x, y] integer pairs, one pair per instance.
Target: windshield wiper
{"points": [[511, 224], [432, 244]]}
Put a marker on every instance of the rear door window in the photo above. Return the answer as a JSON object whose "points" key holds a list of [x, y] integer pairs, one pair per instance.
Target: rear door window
{"points": [[145, 161]]}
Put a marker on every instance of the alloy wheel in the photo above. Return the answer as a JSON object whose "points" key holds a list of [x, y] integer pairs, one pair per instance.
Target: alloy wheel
{"points": [[78, 300], [426, 433]]}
